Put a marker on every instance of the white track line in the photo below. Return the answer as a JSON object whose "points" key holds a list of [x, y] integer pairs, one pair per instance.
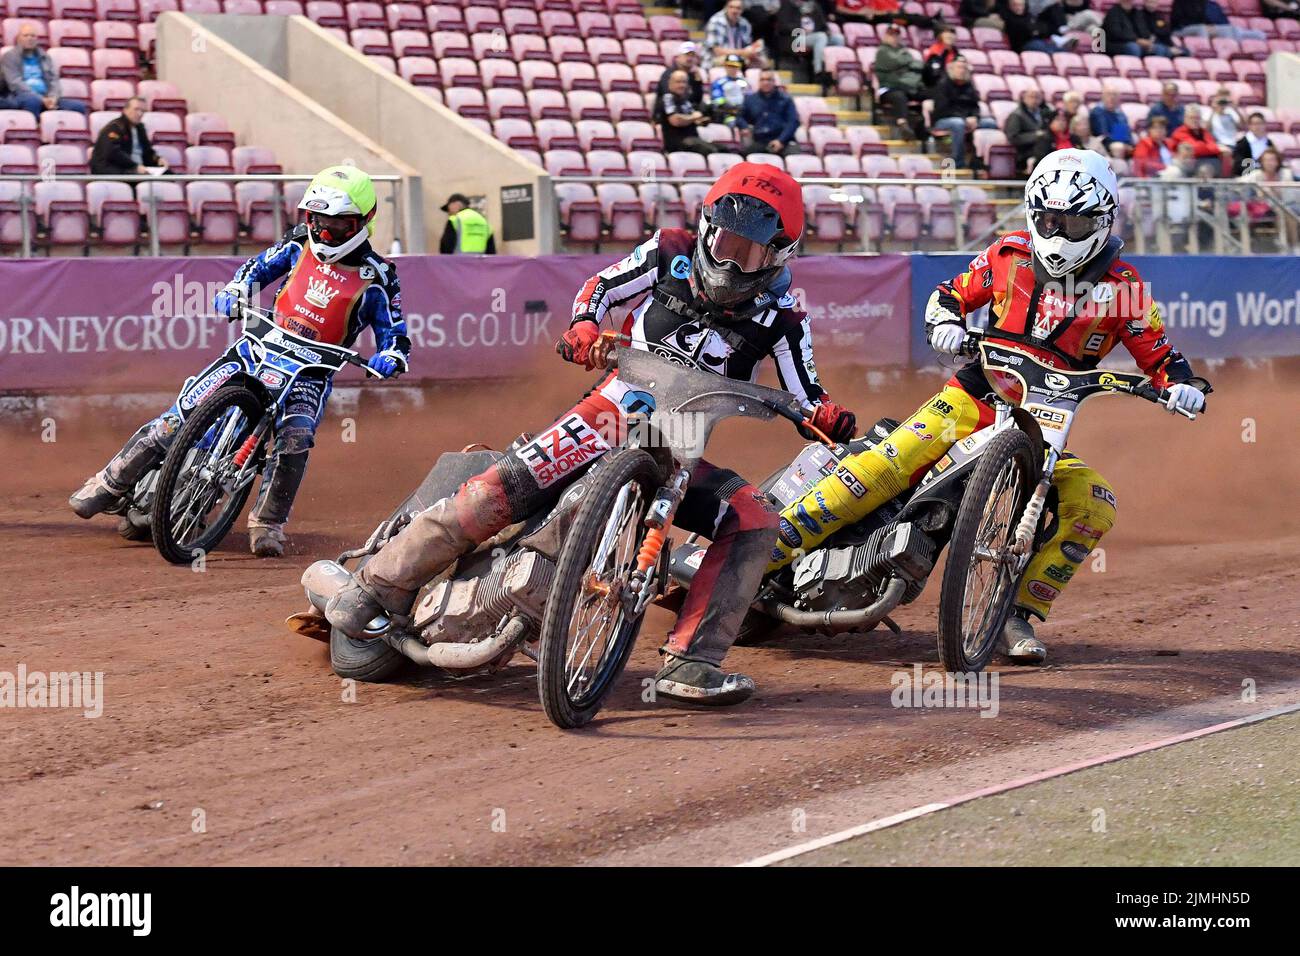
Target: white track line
{"points": [[929, 808]]}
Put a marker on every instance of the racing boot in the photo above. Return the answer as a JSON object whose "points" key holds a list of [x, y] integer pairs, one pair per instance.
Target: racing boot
{"points": [[353, 607], [1018, 643], [266, 540], [96, 496], [695, 682]]}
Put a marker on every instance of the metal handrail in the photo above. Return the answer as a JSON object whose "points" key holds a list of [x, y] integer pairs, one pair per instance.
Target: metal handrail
{"points": [[26, 201]]}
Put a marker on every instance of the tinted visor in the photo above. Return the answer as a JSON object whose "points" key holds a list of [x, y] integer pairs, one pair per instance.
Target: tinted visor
{"points": [[1074, 228], [333, 230], [748, 255]]}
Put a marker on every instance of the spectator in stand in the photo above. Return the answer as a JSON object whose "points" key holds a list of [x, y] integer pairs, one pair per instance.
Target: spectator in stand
{"points": [[769, 120], [940, 53], [1072, 104], [688, 61], [680, 119], [1059, 137], [801, 27], [28, 79], [980, 13], [1275, 9], [1130, 31], [1248, 150], [1028, 127], [761, 15], [122, 147], [1151, 154], [957, 110], [1225, 121], [1271, 170], [1205, 18], [728, 92], [1108, 121], [1209, 154], [898, 80], [1025, 32], [1081, 129], [1070, 15], [728, 32], [1170, 106], [880, 11]]}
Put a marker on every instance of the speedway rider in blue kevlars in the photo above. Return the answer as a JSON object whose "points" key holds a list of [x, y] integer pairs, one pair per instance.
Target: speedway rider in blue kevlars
{"points": [[719, 303], [336, 285]]}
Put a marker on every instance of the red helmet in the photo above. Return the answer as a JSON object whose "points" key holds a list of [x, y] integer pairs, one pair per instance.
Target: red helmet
{"points": [[750, 225]]}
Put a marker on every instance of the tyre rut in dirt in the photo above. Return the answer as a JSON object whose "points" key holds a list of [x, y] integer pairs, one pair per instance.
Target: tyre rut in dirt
{"points": [[371, 661], [984, 589], [608, 531], [179, 481]]}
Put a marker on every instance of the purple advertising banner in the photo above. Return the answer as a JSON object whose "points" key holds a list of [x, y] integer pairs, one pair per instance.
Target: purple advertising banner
{"points": [[144, 323]]}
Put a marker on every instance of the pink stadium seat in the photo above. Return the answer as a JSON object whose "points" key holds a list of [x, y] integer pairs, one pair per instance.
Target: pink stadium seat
{"points": [[627, 106], [418, 70], [64, 126], [71, 33], [410, 43], [467, 102], [12, 213], [205, 160], [534, 74], [254, 160], [719, 163], [72, 62], [548, 104], [371, 41], [516, 132], [213, 212], [61, 207], [578, 76], [405, 16], [567, 48], [596, 134], [441, 16], [607, 163], [114, 213], [18, 159], [68, 10], [688, 164], [458, 71], [482, 19], [638, 135], [646, 163], [506, 102], [326, 13], [663, 206], [623, 212], [518, 21], [842, 167], [565, 162], [642, 51], [161, 96], [587, 104], [364, 16], [827, 218], [208, 129], [580, 213], [162, 204], [116, 35], [256, 205], [62, 158], [200, 6], [117, 10], [668, 28]]}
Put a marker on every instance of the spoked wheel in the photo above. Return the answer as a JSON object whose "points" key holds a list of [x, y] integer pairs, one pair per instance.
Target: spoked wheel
{"points": [[586, 633], [205, 480], [982, 573]]}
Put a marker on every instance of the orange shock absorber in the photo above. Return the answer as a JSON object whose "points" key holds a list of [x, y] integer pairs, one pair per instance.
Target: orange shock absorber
{"points": [[650, 548], [245, 450]]}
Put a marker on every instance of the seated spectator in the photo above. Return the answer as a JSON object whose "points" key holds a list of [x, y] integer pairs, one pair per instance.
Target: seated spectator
{"points": [[680, 119], [1130, 31], [1169, 106], [980, 13], [1209, 154], [728, 92], [728, 32], [1075, 14], [28, 79], [769, 120], [1271, 170], [1205, 18], [1108, 121], [761, 15], [898, 80], [957, 110], [1059, 137], [1225, 121], [1072, 104], [123, 147], [1151, 153], [1248, 150], [1081, 129], [1275, 9], [801, 27], [688, 61], [1175, 203], [1026, 32], [1158, 21], [940, 53], [880, 11], [1028, 128]]}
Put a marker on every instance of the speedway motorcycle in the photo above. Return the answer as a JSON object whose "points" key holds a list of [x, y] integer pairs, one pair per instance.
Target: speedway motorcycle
{"points": [[985, 501], [568, 586], [211, 465]]}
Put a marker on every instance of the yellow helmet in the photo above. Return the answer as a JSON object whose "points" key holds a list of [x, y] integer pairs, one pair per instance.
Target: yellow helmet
{"points": [[339, 201]]}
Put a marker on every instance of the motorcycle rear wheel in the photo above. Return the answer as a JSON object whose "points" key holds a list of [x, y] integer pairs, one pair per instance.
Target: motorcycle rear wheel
{"points": [[595, 563], [972, 610]]}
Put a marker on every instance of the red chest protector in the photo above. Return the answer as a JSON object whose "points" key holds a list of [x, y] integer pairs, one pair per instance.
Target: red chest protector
{"points": [[317, 300]]}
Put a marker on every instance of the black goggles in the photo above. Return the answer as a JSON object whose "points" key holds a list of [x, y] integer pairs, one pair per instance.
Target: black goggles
{"points": [[1050, 224], [335, 228]]}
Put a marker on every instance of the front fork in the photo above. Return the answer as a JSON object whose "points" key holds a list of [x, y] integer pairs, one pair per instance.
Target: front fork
{"points": [[658, 519]]}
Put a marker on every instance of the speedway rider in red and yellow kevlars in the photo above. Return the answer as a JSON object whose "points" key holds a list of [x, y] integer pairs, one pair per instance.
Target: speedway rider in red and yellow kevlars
{"points": [[336, 286], [719, 303], [1029, 280]]}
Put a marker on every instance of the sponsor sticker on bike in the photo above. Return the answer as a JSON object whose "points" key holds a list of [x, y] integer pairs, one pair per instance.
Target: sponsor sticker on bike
{"points": [[856, 488], [1074, 551], [788, 533], [566, 446], [1102, 493], [1060, 572], [271, 378], [204, 387], [1043, 591], [807, 520]]}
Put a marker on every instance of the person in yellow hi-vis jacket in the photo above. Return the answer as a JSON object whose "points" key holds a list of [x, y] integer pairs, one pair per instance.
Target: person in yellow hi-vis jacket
{"points": [[1026, 278], [467, 232]]}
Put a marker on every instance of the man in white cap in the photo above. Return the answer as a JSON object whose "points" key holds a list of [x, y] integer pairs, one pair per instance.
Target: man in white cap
{"points": [[688, 61]]}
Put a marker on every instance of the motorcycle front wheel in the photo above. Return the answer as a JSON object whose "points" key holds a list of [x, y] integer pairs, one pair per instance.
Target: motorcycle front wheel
{"points": [[586, 635], [981, 575], [201, 489]]}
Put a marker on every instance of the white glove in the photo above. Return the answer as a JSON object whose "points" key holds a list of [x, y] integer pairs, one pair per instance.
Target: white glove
{"points": [[1185, 397], [947, 338]]}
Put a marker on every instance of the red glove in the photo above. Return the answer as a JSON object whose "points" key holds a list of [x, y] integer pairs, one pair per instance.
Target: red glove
{"points": [[576, 344], [835, 421]]}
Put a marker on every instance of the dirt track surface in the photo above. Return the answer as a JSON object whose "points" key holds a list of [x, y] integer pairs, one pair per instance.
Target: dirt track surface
{"points": [[212, 706]]}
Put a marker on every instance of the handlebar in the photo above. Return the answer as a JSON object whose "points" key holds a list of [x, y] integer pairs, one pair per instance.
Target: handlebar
{"points": [[353, 358]]}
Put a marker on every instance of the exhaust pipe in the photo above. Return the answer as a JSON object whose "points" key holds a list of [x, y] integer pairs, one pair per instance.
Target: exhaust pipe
{"points": [[324, 579], [836, 621]]}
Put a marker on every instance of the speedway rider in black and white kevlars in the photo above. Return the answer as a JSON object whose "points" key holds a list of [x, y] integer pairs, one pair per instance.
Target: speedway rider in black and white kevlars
{"points": [[719, 303]]}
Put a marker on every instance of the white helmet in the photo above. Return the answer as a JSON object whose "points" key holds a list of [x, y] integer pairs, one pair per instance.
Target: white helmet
{"points": [[1070, 202], [340, 206]]}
